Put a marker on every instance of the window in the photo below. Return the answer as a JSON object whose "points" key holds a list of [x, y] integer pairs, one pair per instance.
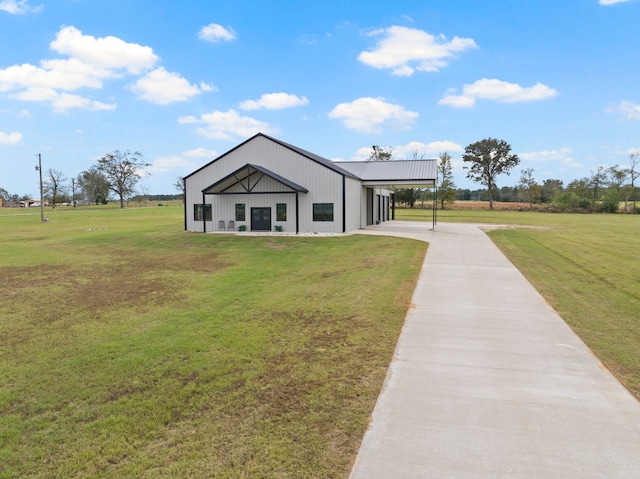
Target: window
{"points": [[197, 212], [240, 212], [323, 212], [281, 212]]}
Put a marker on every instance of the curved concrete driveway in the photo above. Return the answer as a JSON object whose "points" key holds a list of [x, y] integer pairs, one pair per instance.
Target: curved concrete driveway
{"points": [[487, 381]]}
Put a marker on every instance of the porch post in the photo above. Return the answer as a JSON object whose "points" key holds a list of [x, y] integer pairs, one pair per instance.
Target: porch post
{"points": [[204, 220], [297, 215]]}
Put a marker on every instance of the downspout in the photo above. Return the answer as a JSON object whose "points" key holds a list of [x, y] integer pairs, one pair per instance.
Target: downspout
{"points": [[204, 220], [344, 204]]}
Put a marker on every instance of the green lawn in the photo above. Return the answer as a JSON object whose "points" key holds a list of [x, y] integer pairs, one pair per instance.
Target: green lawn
{"points": [[586, 266], [129, 348]]}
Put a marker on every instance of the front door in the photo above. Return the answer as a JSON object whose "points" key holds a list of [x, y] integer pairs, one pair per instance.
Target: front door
{"points": [[260, 219]]}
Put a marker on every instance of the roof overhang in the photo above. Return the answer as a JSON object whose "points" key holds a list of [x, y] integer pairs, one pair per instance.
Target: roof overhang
{"points": [[397, 184], [394, 174]]}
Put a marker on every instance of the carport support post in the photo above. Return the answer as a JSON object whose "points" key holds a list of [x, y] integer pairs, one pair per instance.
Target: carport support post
{"points": [[393, 205], [435, 207]]}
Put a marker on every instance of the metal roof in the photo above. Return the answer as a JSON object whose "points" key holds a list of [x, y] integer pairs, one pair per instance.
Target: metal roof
{"points": [[312, 156], [390, 174], [394, 173]]}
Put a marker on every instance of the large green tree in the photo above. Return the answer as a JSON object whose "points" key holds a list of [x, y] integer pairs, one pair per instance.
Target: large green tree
{"points": [[123, 170], [486, 159], [550, 189], [446, 186], [94, 186]]}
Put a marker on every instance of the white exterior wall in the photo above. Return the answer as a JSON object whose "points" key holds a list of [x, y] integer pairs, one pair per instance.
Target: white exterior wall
{"points": [[355, 204], [324, 186]]}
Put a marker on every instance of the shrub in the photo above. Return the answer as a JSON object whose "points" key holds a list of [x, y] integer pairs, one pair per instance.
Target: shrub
{"points": [[610, 202], [570, 202]]}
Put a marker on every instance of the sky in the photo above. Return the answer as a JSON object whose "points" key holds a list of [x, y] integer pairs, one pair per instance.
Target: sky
{"points": [[184, 82]]}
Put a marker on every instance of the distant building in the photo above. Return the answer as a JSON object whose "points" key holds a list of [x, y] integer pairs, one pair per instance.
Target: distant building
{"points": [[32, 203], [264, 184]]}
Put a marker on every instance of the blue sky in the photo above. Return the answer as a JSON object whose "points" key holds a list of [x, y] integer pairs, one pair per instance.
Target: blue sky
{"points": [[183, 82]]}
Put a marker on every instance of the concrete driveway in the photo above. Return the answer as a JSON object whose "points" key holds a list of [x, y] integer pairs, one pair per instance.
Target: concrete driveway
{"points": [[487, 381]]}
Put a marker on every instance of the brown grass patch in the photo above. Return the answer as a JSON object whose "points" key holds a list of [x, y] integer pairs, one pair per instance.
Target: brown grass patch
{"points": [[66, 295]]}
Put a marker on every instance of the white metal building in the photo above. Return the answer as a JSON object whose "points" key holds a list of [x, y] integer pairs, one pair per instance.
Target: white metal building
{"points": [[264, 184]]}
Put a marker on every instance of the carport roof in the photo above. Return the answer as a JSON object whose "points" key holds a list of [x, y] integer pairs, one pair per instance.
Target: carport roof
{"points": [[394, 173]]}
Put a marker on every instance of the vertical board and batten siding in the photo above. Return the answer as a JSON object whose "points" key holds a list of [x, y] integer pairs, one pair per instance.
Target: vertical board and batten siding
{"points": [[324, 186], [354, 204]]}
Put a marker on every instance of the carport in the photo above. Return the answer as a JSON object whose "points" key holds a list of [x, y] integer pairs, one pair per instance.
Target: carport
{"points": [[394, 175]]}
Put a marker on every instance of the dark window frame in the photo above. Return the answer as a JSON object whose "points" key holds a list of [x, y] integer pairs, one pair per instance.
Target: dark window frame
{"points": [[281, 212], [197, 212], [241, 212], [322, 211]]}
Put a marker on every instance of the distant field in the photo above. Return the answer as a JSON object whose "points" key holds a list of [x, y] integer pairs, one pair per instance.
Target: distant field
{"points": [[586, 266], [129, 348]]}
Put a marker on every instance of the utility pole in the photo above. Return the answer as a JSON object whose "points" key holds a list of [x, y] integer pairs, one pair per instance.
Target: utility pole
{"points": [[73, 192], [39, 168]]}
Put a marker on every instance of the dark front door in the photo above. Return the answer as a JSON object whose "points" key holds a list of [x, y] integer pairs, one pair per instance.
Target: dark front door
{"points": [[260, 219]]}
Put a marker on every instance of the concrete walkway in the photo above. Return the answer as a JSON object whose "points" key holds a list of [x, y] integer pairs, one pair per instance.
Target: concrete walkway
{"points": [[487, 381]]}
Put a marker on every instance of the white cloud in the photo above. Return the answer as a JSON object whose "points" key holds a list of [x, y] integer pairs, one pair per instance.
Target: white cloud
{"points": [[208, 87], [216, 33], [562, 156], [223, 125], [404, 50], [67, 74], [92, 61], [428, 150], [107, 52], [186, 161], [405, 152], [61, 102], [628, 110], [274, 101], [368, 115], [200, 153], [497, 90], [168, 163], [612, 2], [18, 7], [162, 87], [12, 138]]}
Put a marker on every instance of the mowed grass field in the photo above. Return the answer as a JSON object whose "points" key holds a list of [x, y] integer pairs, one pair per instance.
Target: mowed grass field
{"points": [[586, 266], [129, 348]]}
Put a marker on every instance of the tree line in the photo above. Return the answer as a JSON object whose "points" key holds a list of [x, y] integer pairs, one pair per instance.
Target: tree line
{"points": [[485, 160], [117, 172]]}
